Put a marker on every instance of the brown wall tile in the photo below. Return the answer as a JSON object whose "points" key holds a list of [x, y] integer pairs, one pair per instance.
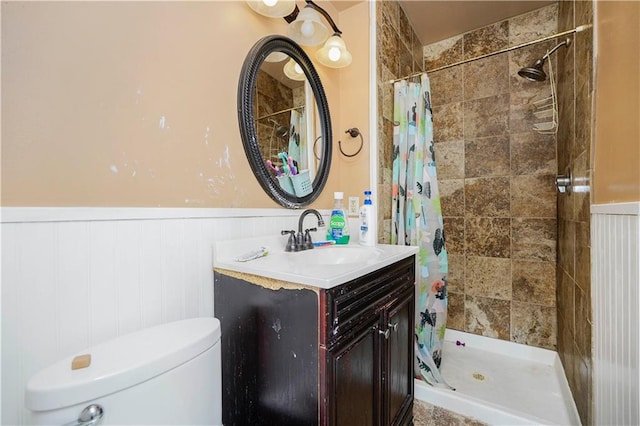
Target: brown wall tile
{"points": [[449, 86], [487, 237], [450, 160], [454, 235], [448, 122], [583, 389], [486, 39], [455, 311], [405, 56], [487, 156], [486, 77], [534, 282], [533, 196], [452, 196], [456, 275], [488, 317], [533, 25], [583, 256], [488, 277], [388, 47], [566, 299], [582, 306], [387, 12], [487, 197], [533, 239], [405, 31], [443, 53], [566, 246], [533, 154], [533, 325], [486, 116]]}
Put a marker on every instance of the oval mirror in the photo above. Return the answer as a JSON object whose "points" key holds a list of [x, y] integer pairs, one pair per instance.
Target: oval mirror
{"points": [[284, 121]]}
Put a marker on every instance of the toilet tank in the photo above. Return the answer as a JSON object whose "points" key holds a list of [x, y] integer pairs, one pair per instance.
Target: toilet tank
{"points": [[167, 374]]}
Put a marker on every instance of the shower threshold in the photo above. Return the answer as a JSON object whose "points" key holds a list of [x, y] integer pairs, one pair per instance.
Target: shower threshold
{"points": [[501, 383]]}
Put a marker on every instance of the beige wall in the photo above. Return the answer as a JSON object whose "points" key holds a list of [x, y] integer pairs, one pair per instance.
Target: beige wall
{"points": [[134, 104], [617, 125]]}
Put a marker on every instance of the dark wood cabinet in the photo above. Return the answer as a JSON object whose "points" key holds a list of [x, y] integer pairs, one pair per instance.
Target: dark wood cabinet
{"points": [[295, 355]]}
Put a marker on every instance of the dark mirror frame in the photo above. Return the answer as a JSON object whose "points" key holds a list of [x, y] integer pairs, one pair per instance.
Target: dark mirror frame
{"points": [[247, 120]]}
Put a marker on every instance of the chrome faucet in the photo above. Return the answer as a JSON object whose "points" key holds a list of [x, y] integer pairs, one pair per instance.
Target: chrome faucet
{"points": [[302, 241]]}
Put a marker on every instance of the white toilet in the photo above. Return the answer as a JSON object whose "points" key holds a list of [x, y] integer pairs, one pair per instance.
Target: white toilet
{"points": [[168, 374]]}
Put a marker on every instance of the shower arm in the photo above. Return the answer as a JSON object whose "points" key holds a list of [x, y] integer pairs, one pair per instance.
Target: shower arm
{"points": [[567, 43]]}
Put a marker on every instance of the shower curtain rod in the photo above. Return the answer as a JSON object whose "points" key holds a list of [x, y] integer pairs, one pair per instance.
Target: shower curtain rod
{"points": [[508, 49], [280, 112]]}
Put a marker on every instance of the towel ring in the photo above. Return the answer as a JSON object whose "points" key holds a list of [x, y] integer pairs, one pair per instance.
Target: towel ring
{"points": [[353, 133], [315, 154]]}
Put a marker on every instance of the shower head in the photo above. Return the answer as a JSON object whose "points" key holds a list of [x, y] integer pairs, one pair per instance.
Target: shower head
{"points": [[280, 131], [536, 72]]}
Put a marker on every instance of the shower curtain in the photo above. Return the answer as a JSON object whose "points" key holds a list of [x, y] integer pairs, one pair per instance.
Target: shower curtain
{"points": [[417, 219], [298, 139]]}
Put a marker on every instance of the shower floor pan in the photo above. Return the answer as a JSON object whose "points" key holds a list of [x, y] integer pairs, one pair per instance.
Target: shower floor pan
{"points": [[501, 383]]}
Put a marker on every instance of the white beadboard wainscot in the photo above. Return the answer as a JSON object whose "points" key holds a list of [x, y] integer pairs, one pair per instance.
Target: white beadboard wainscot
{"points": [[75, 277], [615, 276]]}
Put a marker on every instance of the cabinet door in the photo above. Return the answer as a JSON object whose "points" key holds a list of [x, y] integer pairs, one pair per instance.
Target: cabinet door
{"points": [[399, 360], [354, 377]]}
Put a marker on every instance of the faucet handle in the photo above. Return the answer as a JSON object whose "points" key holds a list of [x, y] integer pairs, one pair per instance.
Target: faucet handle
{"points": [[308, 243], [291, 242]]}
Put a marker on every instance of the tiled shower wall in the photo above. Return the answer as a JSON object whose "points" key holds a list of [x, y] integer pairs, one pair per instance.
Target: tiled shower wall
{"points": [[575, 91], [502, 220], [496, 181], [399, 53]]}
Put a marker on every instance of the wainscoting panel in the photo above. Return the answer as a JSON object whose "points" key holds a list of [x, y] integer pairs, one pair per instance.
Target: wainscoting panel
{"points": [[616, 302], [72, 278]]}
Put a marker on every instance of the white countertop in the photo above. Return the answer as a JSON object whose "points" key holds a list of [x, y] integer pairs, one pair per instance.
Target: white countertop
{"points": [[322, 267]]}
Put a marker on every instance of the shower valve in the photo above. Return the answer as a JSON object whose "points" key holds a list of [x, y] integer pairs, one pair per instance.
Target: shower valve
{"points": [[563, 182]]}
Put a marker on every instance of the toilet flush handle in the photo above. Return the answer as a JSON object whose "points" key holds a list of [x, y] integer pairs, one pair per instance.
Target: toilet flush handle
{"points": [[89, 416]]}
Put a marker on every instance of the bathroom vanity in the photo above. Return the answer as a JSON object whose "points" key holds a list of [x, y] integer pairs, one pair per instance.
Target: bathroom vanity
{"points": [[327, 354]]}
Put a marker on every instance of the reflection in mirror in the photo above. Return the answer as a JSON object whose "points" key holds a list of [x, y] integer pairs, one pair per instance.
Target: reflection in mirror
{"points": [[284, 122]]}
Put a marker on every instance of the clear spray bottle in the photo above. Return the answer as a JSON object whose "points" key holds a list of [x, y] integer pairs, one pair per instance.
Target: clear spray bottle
{"points": [[368, 222]]}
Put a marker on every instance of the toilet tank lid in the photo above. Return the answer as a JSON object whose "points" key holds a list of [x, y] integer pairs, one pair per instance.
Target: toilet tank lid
{"points": [[120, 363]]}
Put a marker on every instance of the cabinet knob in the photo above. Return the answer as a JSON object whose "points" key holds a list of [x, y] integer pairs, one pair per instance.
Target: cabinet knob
{"points": [[394, 326], [384, 333]]}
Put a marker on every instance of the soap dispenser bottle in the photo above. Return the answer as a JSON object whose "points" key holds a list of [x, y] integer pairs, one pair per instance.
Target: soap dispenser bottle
{"points": [[338, 229], [368, 234]]}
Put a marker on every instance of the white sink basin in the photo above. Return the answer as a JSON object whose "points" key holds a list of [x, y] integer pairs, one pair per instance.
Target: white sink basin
{"points": [[322, 267], [336, 255]]}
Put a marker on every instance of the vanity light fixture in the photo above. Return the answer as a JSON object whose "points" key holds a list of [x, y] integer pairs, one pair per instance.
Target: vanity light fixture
{"points": [[334, 53], [273, 8], [294, 71], [309, 30]]}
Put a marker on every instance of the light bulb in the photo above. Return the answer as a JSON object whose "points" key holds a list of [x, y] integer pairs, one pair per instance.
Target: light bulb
{"points": [[270, 3], [297, 68], [334, 54], [307, 28]]}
